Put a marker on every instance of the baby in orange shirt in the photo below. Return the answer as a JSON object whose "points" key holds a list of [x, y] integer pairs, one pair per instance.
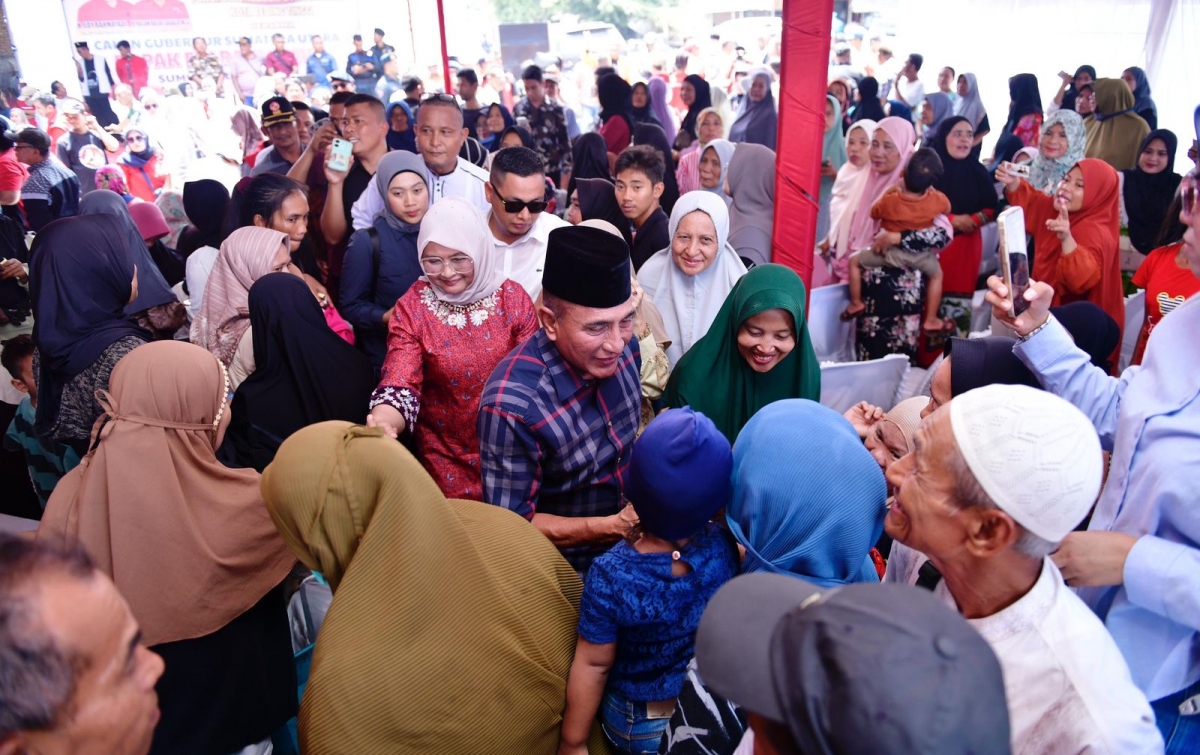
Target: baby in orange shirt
{"points": [[911, 207]]}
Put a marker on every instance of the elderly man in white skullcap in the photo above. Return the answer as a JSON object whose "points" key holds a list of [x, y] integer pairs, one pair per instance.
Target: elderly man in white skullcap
{"points": [[999, 477]]}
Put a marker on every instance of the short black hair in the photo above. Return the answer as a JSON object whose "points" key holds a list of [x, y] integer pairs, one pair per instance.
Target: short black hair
{"points": [[411, 84], [531, 73], [603, 71], [123, 43], [340, 98], [14, 350], [923, 170], [642, 157], [202, 39], [35, 138], [953, 73], [357, 38], [374, 102], [681, 60], [469, 75], [276, 36], [520, 161], [299, 105], [917, 60], [37, 677]]}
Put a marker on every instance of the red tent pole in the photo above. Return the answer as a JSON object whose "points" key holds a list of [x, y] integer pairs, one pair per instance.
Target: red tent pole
{"points": [[447, 82], [802, 86]]}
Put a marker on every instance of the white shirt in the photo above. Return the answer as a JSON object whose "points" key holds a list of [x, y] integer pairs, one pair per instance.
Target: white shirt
{"points": [[196, 271], [1067, 685], [465, 182], [524, 260], [912, 92]]}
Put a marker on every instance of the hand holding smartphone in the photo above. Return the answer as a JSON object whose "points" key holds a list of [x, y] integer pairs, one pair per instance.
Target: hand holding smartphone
{"points": [[1014, 258], [339, 155]]}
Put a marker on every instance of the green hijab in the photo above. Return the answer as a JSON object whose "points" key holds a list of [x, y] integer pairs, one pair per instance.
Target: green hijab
{"points": [[713, 377], [833, 148]]}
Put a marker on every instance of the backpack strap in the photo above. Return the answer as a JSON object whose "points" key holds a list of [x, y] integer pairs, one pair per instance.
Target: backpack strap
{"points": [[373, 234], [928, 576]]}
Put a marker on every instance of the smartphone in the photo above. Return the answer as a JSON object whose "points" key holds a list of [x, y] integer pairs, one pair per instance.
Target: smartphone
{"points": [[1014, 258], [339, 155], [1020, 170]]}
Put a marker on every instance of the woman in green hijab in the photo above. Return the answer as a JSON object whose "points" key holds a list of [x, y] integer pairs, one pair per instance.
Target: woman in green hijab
{"points": [[833, 157], [756, 352]]}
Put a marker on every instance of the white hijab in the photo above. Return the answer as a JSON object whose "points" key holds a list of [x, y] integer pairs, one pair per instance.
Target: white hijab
{"points": [[689, 303], [456, 224]]}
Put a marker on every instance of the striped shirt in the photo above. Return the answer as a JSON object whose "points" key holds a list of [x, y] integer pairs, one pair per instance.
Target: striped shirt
{"points": [[47, 463], [554, 443]]}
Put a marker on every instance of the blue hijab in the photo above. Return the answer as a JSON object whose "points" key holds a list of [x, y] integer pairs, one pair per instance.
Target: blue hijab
{"points": [[402, 140], [808, 499], [492, 143]]}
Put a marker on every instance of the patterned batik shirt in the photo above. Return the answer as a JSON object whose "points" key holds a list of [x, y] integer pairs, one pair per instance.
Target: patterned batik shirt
{"points": [[548, 125]]}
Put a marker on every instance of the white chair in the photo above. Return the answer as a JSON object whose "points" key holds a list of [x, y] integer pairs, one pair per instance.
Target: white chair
{"points": [[833, 340], [845, 384], [1135, 313]]}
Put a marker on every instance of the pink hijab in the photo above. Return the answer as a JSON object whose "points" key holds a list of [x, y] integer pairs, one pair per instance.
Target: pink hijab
{"points": [[224, 313], [862, 227]]}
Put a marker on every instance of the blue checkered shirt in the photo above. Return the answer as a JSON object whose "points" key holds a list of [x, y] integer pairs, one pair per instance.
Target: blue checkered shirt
{"points": [[554, 443]]}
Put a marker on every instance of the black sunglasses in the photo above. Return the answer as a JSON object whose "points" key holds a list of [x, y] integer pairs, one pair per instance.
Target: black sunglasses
{"points": [[513, 206]]}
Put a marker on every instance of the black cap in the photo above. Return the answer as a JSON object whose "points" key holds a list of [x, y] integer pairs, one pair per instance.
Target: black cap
{"points": [[859, 668], [80, 44], [34, 137], [379, 31], [411, 83], [277, 110], [587, 266]]}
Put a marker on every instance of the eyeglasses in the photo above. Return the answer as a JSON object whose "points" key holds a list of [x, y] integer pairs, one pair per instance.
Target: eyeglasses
{"points": [[135, 138], [1187, 193], [513, 206], [434, 265], [440, 97], [150, 107]]}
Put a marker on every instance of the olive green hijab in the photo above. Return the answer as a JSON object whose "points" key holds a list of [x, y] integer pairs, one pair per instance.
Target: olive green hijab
{"points": [[713, 377], [452, 626]]}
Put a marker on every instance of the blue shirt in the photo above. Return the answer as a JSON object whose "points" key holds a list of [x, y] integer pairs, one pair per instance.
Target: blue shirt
{"points": [[552, 442], [320, 66], [632, 599], [363, 82], [1149, 419], [47, 465]]}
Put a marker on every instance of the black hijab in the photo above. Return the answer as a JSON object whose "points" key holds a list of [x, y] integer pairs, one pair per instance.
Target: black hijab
{"points": [[1007, 146], [977, 362], [304, 373], [1143, 103], [868, 106], [598, 201], [522, 133], [965, 182], [80, 279], [153, 290], [616, 99], [652, 135], [1147, 196], [205, 202], [1094, 331], [1026, 99], [703, 100], [589, 159], [643, 114], [1068, 101]]}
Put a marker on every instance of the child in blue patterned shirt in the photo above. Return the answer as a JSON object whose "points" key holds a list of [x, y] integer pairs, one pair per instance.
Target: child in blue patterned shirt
{"points": [[643, 599]]}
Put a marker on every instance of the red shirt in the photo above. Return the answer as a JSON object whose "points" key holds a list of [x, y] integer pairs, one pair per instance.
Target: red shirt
{"points": [[280, 61], [133, 71], [1167, 287], [12, 173]]}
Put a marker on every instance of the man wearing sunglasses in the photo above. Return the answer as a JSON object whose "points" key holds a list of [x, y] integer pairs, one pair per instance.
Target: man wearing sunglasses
{"points": [[518, 219], [1138, 563]]}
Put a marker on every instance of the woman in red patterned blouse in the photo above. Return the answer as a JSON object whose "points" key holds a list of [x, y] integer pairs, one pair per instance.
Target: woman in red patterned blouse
{"points": [[445, 337]]}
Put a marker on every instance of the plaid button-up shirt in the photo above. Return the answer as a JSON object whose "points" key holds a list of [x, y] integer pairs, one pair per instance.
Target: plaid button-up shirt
{"points": [[554, 443]]}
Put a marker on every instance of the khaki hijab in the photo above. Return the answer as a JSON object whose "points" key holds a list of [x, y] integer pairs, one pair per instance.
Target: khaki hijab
{"points": [[1114, 132], [452, 627], [187, 541]]}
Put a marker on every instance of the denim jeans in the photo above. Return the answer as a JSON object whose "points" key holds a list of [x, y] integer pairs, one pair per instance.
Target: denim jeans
{"points": [[629, 727], [1181, 733]]}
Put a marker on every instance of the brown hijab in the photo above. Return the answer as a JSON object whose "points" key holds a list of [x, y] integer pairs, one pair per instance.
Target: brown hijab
{"points": [[1115, 132], [459, 599], [187, 541]]}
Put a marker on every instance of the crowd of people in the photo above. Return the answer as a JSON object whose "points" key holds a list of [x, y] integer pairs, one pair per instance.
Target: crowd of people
{"points": [[375, 419]]}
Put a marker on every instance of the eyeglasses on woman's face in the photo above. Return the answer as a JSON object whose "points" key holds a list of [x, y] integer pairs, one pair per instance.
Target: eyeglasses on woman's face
{"points": [[459, 263]]}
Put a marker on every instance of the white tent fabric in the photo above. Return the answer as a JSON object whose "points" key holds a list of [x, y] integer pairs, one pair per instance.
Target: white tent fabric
{"points": [[845, 384], [833, 340], [1135, 312]]}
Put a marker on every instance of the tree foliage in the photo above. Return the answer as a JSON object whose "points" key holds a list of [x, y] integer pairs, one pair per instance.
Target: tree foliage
{"points": [[620, 13]]}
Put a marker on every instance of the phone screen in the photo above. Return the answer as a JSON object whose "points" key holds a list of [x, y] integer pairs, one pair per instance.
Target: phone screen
{"points": [[339, 155], [1014, 257]]}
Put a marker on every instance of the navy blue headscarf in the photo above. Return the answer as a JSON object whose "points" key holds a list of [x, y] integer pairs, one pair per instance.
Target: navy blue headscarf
{"points": [[402, 140]]}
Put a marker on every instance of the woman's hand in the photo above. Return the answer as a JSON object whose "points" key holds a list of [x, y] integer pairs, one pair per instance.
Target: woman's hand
{"points": [[318, 290], [13, 269], [1010, 181], [1061, 225], [885, 240], [963, 223], [863, 417], [1039, 295], [1094, 559], [387, 418], [828, 171]]}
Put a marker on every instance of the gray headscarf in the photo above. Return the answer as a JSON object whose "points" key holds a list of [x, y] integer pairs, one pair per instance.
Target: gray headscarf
{"points": [[756, 122], [393, 164]]}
